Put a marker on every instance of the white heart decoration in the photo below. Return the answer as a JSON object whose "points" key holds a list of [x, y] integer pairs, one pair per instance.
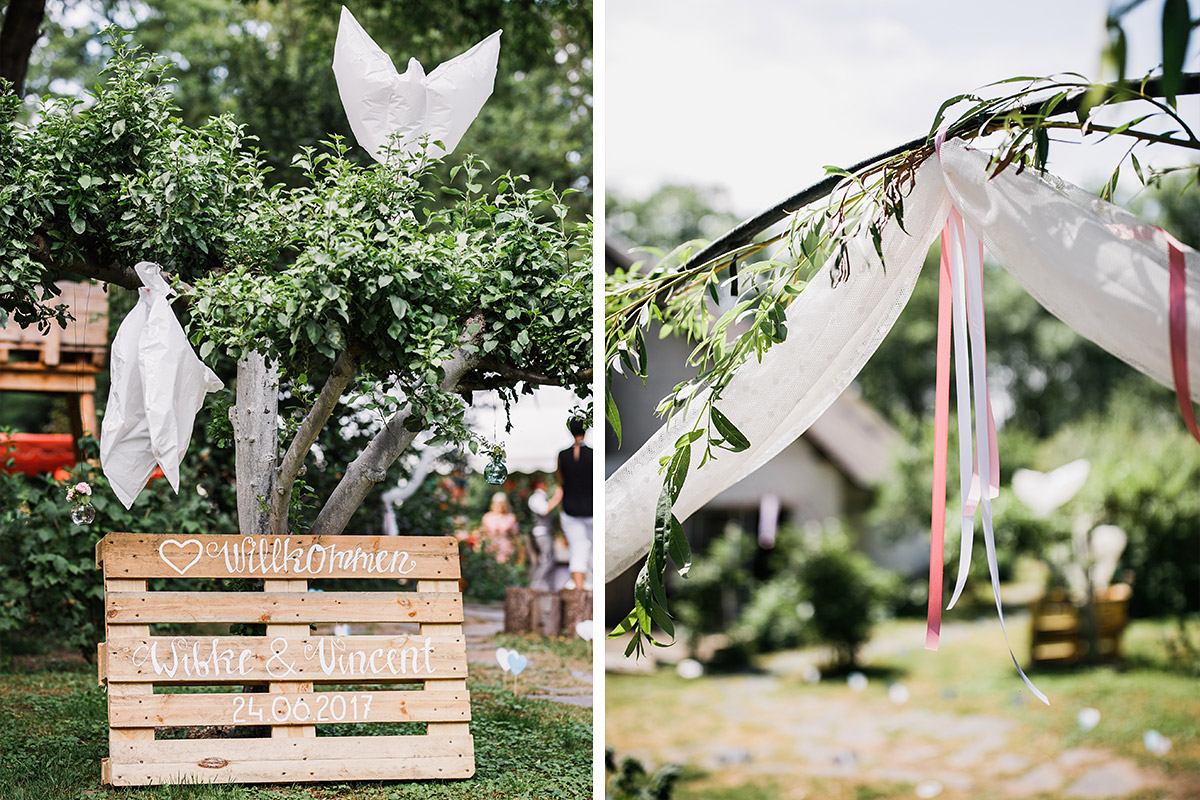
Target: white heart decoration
{"points": [[584, 629], [181, 545], [1044, 492], [516, 662], [502, 656]]}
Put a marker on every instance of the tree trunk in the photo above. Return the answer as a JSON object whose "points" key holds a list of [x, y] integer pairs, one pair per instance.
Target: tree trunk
{"points": [[21, 30], [255, 421]]}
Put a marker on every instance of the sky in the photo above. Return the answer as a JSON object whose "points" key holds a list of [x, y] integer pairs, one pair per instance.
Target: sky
{"points": [[757, 96]]}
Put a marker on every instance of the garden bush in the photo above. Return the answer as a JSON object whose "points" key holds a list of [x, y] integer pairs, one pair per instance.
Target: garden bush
{"points": [[53, 594]]}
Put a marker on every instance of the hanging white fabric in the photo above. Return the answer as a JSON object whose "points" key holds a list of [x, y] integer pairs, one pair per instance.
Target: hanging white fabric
{"points": [[380, 102], [1095, 266], [157, 385], [834, 330]]}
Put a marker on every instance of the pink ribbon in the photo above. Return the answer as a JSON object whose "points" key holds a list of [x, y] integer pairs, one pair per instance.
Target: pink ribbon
{"points": [[941, 434], [960, 308], [1177, 322]]}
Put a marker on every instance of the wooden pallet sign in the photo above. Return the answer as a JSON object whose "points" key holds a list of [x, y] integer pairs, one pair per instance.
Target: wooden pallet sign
{"points": [[384, 671]]}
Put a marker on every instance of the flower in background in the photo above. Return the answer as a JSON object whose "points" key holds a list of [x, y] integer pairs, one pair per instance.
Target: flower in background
{"points": [[79, 493]]}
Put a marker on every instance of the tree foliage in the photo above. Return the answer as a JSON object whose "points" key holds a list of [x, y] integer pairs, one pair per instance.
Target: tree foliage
{"points": [[268, 63], [354, 273]]}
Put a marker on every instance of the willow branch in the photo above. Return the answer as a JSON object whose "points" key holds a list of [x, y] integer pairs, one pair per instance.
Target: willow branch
{"points": [[982, 123], [344, 369]]}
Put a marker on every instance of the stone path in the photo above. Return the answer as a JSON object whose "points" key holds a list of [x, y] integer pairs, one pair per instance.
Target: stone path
{"points": [[483, 623], [767, 725]]}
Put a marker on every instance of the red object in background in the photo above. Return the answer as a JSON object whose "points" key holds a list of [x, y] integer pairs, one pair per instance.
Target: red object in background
{"points": [[40, 453], [36, 453]]}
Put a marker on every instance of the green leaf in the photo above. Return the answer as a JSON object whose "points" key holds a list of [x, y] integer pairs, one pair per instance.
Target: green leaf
{"points": [[205, 349], [677, 471], [612, 414], [678, 547], [735, 440], [1176, 26], [1042, 148], [625, 626], [78, 225], [399, 306]]}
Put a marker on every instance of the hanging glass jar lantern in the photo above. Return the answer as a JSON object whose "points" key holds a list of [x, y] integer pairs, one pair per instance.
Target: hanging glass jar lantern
{"points": [[495, 472]]}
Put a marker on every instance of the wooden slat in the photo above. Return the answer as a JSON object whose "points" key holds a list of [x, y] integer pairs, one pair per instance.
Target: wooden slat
{"points": [[139, 555], [234, 659], [323, 748], [118, 634], [293, 631], [160, 710], [444, 765], [270, 607], [450, 589], [64, 379]]}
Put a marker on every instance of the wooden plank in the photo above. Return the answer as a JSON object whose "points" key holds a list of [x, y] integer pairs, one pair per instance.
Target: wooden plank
{"points": [[296, 631], [449, 589], [271, 607], [139, 555], [118, 634], [323, 748], [235, 659], [443, 766], [160, 710], [12, 380]]}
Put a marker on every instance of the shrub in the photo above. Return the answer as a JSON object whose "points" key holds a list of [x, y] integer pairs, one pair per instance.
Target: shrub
{"points": [[53, 595]]}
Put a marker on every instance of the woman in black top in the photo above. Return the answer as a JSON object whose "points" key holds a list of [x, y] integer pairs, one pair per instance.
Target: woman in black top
{"points": [[575, 494]]}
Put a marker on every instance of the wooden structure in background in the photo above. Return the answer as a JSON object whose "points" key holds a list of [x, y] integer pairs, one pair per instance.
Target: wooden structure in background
{"points": [[64, 360], [1059, 631], [290, 659], [545, 613]]}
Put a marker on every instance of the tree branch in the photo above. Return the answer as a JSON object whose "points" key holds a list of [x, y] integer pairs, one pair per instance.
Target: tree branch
{"points": [[506, 375], [372, 463], [344, 369], [18, 36], [114, 273], [745, 232]]}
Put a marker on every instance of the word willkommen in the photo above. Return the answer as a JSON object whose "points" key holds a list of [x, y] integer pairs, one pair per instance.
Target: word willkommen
{"points": [[260, 556]]}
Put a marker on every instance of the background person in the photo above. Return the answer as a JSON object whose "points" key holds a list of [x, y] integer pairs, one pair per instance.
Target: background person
{"points": [[500, 528], [575, 494], [542, 555]]}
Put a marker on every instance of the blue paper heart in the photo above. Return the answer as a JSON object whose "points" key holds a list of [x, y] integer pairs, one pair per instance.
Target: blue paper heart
{"points": [[516, 662]]}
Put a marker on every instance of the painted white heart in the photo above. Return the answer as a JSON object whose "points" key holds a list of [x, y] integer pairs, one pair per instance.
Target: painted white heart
{"points": [[584, 629], [502, 656], [180, 545], [516, 662]]}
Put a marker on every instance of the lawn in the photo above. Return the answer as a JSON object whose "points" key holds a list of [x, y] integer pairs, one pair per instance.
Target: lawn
{"points": [[53, 734], [967, 723]]}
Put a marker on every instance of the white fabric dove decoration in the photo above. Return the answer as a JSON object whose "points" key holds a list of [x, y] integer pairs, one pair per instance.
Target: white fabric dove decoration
{"points": [[380, 102], [157, 386]]}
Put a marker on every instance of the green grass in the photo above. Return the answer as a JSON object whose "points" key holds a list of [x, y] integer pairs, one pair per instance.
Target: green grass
{"points": [[53, 733], [661, 718]]}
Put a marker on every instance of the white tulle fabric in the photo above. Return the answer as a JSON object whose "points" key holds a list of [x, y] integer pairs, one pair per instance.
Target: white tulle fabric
{"points": [[1095, 266]]}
